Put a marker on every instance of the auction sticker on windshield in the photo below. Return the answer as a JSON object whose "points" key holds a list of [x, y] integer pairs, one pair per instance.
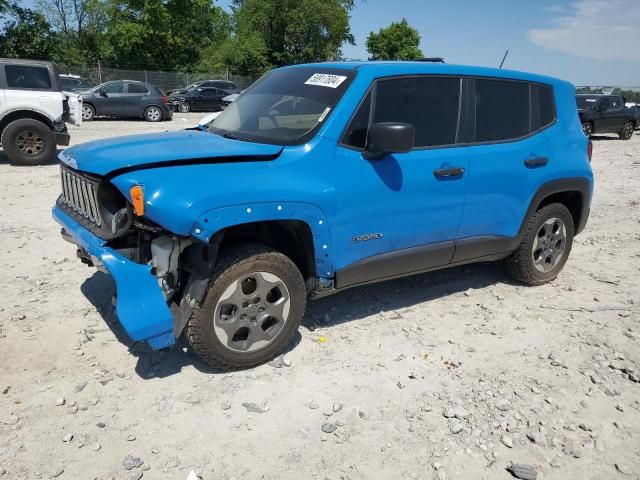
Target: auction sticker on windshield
{"points": [[325, 80]]}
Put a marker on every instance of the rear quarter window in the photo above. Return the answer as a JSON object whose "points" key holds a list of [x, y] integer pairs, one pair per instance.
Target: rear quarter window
{"points": [[27, 77]]}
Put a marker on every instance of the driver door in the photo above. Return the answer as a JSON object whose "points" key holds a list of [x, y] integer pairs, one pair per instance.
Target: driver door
{"points": [[401, 213], [110, 99]]}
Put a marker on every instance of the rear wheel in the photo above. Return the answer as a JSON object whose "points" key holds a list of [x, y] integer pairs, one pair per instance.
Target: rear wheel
{"points": [[153, 114], [545, 246], [28, 142], [587, 128], [627, 131], [253, 307]]}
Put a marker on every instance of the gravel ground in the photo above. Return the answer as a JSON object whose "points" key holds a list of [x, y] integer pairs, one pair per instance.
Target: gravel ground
{"points": [[451, 375]]}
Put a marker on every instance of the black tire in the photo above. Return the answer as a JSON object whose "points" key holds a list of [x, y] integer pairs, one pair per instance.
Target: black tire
{"points": [[184, 107], [88, 112], [153, 113], [233, 264], [28, 142], [521, 264], [627, 131], [587, 128]]}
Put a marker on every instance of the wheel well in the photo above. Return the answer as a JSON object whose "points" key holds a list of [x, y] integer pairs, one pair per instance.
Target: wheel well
{"points": [[570, 199], [22, 114], [293, 238]]}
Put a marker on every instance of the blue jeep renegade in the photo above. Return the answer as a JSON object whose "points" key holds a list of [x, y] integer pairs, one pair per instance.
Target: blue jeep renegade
{"points": [[319, 178]]}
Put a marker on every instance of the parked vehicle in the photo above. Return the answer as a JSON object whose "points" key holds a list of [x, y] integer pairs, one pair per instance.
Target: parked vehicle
{"points": [[221, 84], [606, 114], [323, 177], [226, 101], [126, 99], [74, 83], [199, 99], [33, 111]]}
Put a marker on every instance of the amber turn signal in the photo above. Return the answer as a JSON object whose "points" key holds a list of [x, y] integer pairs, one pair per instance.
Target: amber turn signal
{"points": [[137, 199]]}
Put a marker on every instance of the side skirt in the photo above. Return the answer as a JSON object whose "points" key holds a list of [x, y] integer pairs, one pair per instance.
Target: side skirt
{"points": [[422, 259]]}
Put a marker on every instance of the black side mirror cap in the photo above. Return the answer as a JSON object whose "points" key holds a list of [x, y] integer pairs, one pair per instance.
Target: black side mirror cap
{"points": [[389, 137]]}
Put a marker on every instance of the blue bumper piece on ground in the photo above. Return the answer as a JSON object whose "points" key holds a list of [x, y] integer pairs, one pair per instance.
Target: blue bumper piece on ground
{"points": [[141, 307]]}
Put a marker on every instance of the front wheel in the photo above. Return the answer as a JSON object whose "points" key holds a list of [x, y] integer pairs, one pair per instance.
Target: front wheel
{"points": [[153, 114], [253, 306], [545, 246], [627, 131], [88, 112], [28, 142], [587, 128], [184, 107]]}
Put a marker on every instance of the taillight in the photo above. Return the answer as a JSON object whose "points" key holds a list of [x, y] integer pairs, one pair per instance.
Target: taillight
{"points": [[590, 149], [164, 100]]}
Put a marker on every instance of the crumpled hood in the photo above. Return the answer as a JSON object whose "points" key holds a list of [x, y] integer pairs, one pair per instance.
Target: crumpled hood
{"points": [[102, 157]]}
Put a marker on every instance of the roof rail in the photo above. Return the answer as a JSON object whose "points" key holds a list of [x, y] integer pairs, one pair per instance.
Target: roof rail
{"points": [[431, 59]]}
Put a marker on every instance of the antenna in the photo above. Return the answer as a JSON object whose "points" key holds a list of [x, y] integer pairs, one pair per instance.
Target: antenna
{"points": [[504, 58]]}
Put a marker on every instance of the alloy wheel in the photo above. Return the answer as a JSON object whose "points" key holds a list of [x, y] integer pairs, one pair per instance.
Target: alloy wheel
{"points": [[252, 312], [587, 129], [30, 143], [549, 245], [87, 113], [153, 114], [628, 130], [184, 107]]}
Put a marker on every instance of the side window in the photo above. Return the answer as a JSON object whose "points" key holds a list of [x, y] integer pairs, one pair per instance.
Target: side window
{"points": [[606, 103], [22, 76], [543, 104], [356, 133], [430, 104], [615, 103], [115, 87], [502, 110], [211, 92], [137, 88]]}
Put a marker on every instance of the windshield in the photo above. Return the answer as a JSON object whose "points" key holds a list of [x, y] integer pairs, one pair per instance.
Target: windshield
{"points": [[586, 103], [285, 107]]}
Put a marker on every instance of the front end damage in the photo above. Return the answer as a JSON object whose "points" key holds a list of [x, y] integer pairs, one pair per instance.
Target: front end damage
{"points": [[159, 276]]}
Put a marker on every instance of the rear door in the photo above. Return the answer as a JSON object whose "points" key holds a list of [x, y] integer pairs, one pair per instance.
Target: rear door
{"points": [[401, 213], [211, 99], [134, 104], [508, 159]]}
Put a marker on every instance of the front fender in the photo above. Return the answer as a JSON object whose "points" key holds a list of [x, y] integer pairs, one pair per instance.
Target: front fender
{"points": [[214, 220]]}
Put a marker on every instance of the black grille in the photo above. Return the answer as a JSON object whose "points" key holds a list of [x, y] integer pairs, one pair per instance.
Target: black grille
{"points": [[79, 194]]}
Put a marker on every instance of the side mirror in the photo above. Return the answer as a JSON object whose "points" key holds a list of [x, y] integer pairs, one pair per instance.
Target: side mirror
{"points": [[102, 92], [388, 137]]}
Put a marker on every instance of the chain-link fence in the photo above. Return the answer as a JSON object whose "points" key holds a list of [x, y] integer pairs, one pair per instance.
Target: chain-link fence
{"points": [[97, 74]]}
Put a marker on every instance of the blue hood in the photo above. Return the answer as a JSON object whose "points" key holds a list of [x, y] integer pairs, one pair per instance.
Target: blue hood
{"points": [[105, 156]]}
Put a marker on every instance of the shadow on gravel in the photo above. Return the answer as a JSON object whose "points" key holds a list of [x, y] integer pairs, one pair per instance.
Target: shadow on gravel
{"points": [[4, 160], [99, 289], [599, 138]]}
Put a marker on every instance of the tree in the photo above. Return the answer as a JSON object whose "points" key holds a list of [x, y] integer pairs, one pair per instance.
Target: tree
{"points": [[273, 33], [27, 34], [398, 41]]}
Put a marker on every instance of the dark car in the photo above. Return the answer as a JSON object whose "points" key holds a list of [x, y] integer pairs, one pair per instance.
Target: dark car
{"points": [[199, 99], [74, 83], [605, 114], [221, 84], [126, 99]]}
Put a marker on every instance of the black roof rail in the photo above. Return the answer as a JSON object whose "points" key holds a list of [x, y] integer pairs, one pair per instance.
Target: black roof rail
{"points": [[431, 59]]}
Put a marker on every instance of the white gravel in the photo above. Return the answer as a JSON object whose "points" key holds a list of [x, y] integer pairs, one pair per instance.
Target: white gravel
{"points": [[507, 363]]}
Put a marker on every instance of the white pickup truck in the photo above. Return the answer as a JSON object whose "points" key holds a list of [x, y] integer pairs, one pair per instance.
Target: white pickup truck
{"points": [[34, 111]]}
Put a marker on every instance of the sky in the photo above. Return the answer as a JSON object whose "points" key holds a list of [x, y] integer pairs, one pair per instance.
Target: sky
{"points": [[587, 42]]}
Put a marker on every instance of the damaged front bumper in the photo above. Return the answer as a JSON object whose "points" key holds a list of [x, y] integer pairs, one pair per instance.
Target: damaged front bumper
{"points": [[141, 306]]}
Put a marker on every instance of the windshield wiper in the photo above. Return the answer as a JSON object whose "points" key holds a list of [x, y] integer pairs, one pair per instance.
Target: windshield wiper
{"points": [[233, 136]]}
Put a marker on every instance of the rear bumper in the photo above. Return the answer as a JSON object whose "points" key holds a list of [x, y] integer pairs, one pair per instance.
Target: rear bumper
{"points": [[141, 307]]}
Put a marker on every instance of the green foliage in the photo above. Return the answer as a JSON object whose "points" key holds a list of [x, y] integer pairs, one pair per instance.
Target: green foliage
{"points": [[398, 41], [27, 34], [273, 33]]}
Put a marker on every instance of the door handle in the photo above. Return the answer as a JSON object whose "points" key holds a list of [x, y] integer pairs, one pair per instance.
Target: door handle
{"points": [[452, 172], [536, 162]]}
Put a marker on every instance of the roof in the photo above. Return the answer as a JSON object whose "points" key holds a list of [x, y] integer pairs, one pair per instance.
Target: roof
{"points": [[26, 61], [390, 68]]}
